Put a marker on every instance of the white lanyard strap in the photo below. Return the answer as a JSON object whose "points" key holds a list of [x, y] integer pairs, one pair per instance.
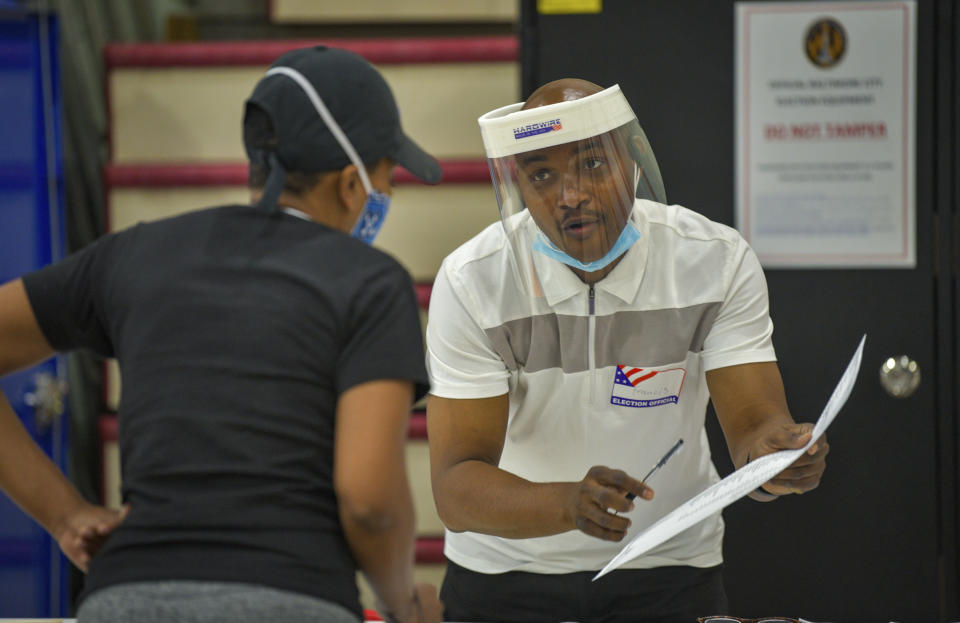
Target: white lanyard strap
{"points": [[328, 119]]}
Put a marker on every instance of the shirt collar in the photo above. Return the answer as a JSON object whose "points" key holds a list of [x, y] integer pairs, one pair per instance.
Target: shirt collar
{"points": [[558, 282], [297, 213]]}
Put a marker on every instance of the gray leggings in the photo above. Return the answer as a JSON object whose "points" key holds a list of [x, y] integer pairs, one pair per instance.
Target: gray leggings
{"points": [[206, 602]]}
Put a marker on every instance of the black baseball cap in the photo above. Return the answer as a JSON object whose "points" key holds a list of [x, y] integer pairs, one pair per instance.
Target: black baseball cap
{"points": [[359, 100]]}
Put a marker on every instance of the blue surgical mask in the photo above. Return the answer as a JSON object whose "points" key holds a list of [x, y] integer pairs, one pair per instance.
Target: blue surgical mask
{"points": [[628, 236], [372, 217]]}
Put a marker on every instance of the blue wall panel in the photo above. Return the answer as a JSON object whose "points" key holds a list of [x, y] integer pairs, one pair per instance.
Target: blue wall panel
{"points": [[32, 572]]}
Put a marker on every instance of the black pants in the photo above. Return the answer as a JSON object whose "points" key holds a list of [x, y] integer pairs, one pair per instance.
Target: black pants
{"points": [[664, 595]]}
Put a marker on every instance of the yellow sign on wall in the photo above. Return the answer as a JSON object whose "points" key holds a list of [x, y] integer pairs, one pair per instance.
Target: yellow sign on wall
{"points": [[553, 7]]}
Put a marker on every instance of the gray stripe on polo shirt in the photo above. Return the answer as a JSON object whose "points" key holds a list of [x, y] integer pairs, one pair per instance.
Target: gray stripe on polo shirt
{"points": [[653, 338], [650, 338], [533, 343]]}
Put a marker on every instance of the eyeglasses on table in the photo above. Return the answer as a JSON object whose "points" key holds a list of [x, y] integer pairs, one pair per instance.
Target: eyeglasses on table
{"points": [[720, 618]]}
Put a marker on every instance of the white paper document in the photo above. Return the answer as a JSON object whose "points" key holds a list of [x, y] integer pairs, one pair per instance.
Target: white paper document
{"points": [[739, 483]]}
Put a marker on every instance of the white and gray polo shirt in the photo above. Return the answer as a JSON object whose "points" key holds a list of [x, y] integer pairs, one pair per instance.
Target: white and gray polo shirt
{"points": [[612, 376]]}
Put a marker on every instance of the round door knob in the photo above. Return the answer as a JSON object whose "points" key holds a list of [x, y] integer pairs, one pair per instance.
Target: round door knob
{"points": [[900, 376]]}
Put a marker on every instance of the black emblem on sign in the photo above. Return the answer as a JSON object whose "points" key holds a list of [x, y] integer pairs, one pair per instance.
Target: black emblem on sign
{"points": [[826, 42]]}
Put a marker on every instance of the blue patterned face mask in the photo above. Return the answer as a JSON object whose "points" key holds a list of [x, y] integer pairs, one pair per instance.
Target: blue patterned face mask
{"points": [[372, 217], [628, 236]]}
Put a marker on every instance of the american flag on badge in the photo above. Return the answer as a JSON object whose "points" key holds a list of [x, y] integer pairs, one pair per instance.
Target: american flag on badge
{"points": [[646, 387], [634, 376]]}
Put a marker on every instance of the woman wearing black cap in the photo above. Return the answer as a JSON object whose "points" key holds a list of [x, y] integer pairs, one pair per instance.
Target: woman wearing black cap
{"points": [[269, 362]]}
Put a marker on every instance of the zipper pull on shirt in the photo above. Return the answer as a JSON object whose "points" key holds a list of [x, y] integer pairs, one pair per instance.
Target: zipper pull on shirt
{"points": [[592, 295]]}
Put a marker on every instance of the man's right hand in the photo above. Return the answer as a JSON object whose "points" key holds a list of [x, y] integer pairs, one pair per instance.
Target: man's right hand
{"points": [[599, 496]]}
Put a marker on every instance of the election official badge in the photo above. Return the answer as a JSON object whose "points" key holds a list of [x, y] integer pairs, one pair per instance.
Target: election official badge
{"points": [[646, 387]]}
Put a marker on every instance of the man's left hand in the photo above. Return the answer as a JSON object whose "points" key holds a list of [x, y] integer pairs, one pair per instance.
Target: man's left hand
{"points": [[803, 474]]}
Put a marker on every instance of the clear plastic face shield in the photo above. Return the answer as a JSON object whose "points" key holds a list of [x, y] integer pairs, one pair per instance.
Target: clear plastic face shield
{"points": [[566, 177]]}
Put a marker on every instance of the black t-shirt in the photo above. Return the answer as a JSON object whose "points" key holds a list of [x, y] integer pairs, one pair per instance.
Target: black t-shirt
{"points": [[236, 332]]}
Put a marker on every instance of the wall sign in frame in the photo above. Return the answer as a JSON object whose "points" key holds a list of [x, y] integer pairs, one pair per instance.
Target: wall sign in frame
{"points": [[825, 133]]}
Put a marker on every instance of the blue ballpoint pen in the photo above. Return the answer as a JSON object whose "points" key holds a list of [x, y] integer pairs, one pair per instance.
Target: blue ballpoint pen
{"points": [[660, 463]]}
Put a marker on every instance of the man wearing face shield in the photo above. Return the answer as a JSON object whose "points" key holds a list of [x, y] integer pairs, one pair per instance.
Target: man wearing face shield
{"points": [[270, 357], [569, 347]]}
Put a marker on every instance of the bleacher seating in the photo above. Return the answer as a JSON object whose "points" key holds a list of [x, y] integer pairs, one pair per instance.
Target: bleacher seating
{"points": [[425, 222], [332, 11]]}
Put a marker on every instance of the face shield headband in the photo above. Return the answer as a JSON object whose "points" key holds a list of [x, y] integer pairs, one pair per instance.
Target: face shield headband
{"points": [[377, 203], [574, 169]]}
